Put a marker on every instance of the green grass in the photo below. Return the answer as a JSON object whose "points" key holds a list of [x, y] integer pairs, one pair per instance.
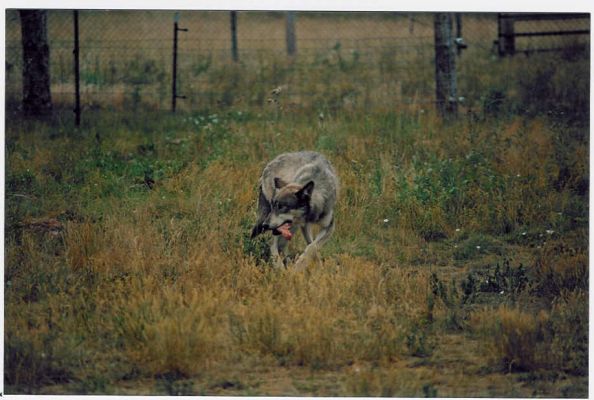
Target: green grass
{"points": [[458, 266]]}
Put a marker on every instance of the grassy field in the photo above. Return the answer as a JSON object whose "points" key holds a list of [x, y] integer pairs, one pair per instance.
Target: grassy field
{"points": [[459, 264]]}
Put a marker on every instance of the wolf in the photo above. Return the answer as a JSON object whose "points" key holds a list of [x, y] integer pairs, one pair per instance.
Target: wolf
{"points": [[296, 190]]}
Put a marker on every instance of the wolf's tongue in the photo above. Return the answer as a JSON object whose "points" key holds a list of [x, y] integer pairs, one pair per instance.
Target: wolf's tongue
{"points": [[284, 229]]}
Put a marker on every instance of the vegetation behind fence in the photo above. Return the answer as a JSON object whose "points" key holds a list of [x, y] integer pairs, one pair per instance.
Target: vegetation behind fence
{"points": [[342, 60]]}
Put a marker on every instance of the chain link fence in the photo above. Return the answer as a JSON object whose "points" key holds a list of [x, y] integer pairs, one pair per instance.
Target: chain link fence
{"points": [[341, 61]]}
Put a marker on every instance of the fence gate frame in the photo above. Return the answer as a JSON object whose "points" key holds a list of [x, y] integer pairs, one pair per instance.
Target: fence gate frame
{"points": [[506, 35]]}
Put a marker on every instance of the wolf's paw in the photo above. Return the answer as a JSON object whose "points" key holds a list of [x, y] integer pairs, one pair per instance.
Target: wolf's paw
{"points": [[278, 263], [305, 259], [301, 263]]}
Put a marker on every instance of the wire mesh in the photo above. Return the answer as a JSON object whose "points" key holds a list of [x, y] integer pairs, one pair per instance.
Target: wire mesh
{"points": [[343, 60]]}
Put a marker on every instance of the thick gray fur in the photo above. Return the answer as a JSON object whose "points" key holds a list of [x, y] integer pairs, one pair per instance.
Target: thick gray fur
{"points": [[305, 183]]}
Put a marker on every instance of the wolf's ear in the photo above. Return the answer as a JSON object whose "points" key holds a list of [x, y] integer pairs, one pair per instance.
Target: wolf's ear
{"points": [[279, 183], [305, 192]]}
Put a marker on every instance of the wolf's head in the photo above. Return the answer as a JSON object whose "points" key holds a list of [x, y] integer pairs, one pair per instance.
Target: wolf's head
{"points": [[289, 204]]}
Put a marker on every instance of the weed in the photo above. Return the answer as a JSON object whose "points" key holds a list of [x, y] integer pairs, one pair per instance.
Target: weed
{"points": [[493, 101], [38, 358], [569, 331], [419, 343], [514, 339], [429, 390], [22, 182], [175, 384], [558, 269], [93, 384], [476, 245], [225, 384], [506, 280], [201, 66]]}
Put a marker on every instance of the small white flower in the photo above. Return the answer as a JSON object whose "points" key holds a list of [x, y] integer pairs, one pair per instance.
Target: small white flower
{"points": [[501, 292], [457, 229], [518, 175], [523, 233], [550, 231], [478, 247], [386, 221]]}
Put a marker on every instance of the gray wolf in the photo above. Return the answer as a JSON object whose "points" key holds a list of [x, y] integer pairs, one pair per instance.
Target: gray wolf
{"points": [[296, 190]]}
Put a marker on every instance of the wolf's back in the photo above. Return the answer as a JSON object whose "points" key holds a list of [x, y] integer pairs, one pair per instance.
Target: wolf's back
{"points": [[302, 167]]}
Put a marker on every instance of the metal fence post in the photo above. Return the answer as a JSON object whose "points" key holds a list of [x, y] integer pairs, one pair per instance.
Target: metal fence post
{"points": [[174, 68], [174, 95], [76, 70], [458, 25], [445, 66], [291, 43], [234, 52], [460, 44]]}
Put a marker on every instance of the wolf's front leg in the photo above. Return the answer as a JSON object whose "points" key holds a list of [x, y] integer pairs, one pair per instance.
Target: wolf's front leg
{"points": [[306, 230], [305, 259], [311, 250], [277, 261]]}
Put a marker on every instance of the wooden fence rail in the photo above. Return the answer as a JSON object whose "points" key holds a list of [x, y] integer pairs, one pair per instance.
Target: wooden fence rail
{"points": [[506, 32]]}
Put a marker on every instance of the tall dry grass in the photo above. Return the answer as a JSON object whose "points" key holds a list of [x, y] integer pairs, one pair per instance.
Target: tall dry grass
{"points": [[516, 340]]}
